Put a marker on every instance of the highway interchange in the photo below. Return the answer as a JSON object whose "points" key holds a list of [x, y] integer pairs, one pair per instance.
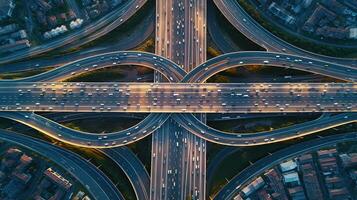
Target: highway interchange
{"points": [[179, 157], [243, 22], [179, 164]]}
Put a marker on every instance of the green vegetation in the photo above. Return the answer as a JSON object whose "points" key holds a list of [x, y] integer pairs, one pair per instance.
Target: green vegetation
{"points": [[256, 73], [238, 38], [259, 124], [100, 75], [142, 149], [18, 15], [147, 46], [212, 49], [308, 45], [99, 125], [347, 147], [23, 74], [111, 74]]}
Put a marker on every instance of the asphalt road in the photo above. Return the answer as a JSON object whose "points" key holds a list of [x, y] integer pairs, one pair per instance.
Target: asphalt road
{"points": [[88, 33], [178, 98], [122, 156], [257, 168], [245, 24], [143, 31], [325, 122], [178, 167], [97, 183]]}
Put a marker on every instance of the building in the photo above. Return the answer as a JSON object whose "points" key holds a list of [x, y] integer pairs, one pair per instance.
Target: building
{"points": [[291, 179], [339, 194], [309, 177], [353, 33], [281, 13], [288, 166], [320, 17], [333, 32], [18, 45], [335, 6], [263, 194], [253, 186], [297, 193], [6, 8], [275, 181], [348, 160], [57, 178], [8, 29], [334, 182]]}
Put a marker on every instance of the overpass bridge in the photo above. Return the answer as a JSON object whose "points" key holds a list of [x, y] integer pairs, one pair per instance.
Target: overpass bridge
{"points": [[48, 92], [178, 98]]}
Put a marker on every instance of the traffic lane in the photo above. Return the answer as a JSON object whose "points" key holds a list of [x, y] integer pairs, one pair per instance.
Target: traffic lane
{"points": [[236, 59], [86, 173], [85, 139], [233, 186], [114, 19], [243, 22], [170, 70], [191, 123]]}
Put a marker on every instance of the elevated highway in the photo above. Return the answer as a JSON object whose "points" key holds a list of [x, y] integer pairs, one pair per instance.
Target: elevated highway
{"points": [[196, 127], [179, 97], [86, 34], [97, 183], [133, 169], [171, 71], [238, 59], [201, 73], [238, 182], [245, 24], [85, 139], [168, 69], [121, 156], [180, 37]]}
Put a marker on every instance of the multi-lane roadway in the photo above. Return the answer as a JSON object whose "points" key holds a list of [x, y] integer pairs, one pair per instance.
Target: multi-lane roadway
{"points": [[96, 182], [178, 157], [180, 37], [86, 34], [245, 24], [178, 98], [235, 185]]}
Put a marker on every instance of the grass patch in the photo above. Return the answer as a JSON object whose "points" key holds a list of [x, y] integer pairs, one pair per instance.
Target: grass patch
{"points": [[259, 125], [254, 73], [237, 37], [100, 125], [113, 74], [101, 75], [23, 74]]}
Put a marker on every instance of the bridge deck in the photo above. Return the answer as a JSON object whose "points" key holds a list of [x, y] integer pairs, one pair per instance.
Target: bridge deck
{"points": [[178, 98]]}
